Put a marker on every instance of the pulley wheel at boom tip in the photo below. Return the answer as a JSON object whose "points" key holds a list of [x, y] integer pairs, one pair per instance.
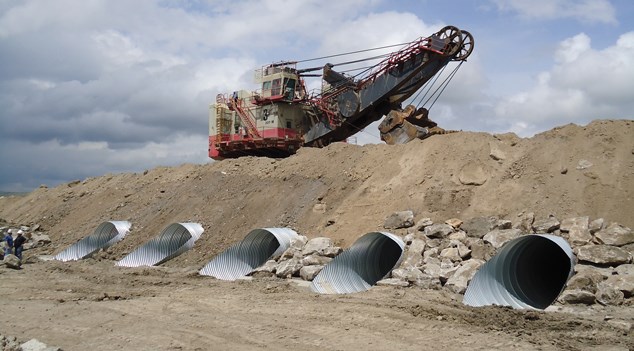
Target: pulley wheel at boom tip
{"points": [[466, 48], [453, 37]]}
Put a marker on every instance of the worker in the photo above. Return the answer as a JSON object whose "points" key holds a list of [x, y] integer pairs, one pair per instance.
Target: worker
{"points": [[8, 246], [17, 244]]}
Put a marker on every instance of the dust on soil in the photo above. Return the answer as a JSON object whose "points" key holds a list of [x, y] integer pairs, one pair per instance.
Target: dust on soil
{"points": [[93, 305]]}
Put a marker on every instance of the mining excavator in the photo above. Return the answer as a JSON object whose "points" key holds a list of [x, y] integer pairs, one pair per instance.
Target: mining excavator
{"points": [[282, 115]]}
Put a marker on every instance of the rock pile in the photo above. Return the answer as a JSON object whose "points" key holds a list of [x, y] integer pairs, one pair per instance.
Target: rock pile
{"points": [[34, 234], [447, 255], [304, 258], [11, 343]]}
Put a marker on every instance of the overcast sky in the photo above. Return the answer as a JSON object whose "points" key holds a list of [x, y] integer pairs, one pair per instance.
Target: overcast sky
{"points": [[90, 87]]}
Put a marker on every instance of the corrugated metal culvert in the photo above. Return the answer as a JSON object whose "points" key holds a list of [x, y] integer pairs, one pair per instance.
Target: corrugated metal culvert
{"points": [[368, 260], [250, 253], [528, 273], [106, 234], [173, 241]]}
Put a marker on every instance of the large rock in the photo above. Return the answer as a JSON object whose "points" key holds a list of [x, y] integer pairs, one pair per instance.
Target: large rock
{"points": [[568, 223], [576, 296], [451, 253], [332, 251], [425, 281], [438, 230], [432, 269], [316, 245], [310, 272], [625, 269], [625, 283], [36, 345], [586, 280], [289, 268], [526, 222], [12, 261], [603, 255], [482, 250], [596, 225], [607, 294], [423, 223], [479, 226], [462, 276], [579, 236], [547, 225], [454, 222], [315, 260], [397, 220], [472, 173], [615, 235], [499, 237], [414, 253], [269, 267]]}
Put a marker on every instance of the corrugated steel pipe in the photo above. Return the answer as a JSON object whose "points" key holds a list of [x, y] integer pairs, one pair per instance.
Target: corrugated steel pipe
{"points": [[250, 253], [173, 241], [371, 258], [528, 273], [106, 235]]}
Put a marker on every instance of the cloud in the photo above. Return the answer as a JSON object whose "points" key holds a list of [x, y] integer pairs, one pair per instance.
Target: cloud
{"points": [[583, 84], [592, 11]]}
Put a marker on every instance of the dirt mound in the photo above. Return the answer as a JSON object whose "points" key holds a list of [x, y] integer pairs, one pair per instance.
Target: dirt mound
{"points": [[344, 191]]}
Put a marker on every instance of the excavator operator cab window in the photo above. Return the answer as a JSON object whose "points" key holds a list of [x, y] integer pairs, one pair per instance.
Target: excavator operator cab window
{"points": [[266, 88], [289, 88], [276, 87]]}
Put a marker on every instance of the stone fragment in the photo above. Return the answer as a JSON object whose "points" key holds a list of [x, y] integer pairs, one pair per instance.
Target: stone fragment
{"points": [[451, 253], [432, 269], [310, 272], [595, 225], [431, 255], [397, 220], [463, 251], [438, 230], [503, 224], [332, 251], [454, 222], [621, 324], [33, 345], [472, 173], [268, 267], [581, 222], [615, 235], [316, 245], [526, 222], [625, 283], [583, 164], [392, 282], [607, 294], [576, 296], [547, 225], [482, 250], [581, 268], [315, 260], [477, 227], [586, 280], [603, 255], [462, 276], [319, 208], [625, 269], [425, 281], [447, 270], [579, 236], [458, 236], [290, 253], [12, 261], [424, 222], [499, 237], [413, 255], [496, 153], [289, 268]]}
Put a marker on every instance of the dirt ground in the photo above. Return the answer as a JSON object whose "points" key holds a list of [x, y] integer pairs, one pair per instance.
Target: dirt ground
{"points": [[90, 305], [568, 171]]}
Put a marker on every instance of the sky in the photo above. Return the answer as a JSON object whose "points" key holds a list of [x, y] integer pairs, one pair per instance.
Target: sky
{"points": [[94, 87]]}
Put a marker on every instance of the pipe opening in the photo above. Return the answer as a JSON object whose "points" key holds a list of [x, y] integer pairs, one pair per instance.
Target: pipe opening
{"points": [[253, 251], [528, 272], [104, 236], [541, 272], [368, 260], [171, 242]]}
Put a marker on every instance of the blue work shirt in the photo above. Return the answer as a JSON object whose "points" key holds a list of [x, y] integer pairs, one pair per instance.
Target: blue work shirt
{"points": [[9, 239]]}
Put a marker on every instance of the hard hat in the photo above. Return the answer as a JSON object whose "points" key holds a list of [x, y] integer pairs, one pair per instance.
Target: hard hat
{"points": [[20, 231]]}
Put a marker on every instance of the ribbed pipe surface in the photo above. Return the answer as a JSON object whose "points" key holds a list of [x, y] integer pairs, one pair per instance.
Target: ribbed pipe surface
{"points": [[368, 260], [106, 234], [173, 241], [528, 273], [250, 253]]}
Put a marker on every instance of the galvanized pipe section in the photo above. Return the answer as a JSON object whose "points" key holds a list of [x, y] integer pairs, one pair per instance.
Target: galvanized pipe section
{"points": [[368, 260], [528, 273], [173, 241], [252, 252], [106, 235]]}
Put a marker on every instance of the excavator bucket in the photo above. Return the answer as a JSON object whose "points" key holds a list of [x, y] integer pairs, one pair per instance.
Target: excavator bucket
{"points": [[400, 127]]}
